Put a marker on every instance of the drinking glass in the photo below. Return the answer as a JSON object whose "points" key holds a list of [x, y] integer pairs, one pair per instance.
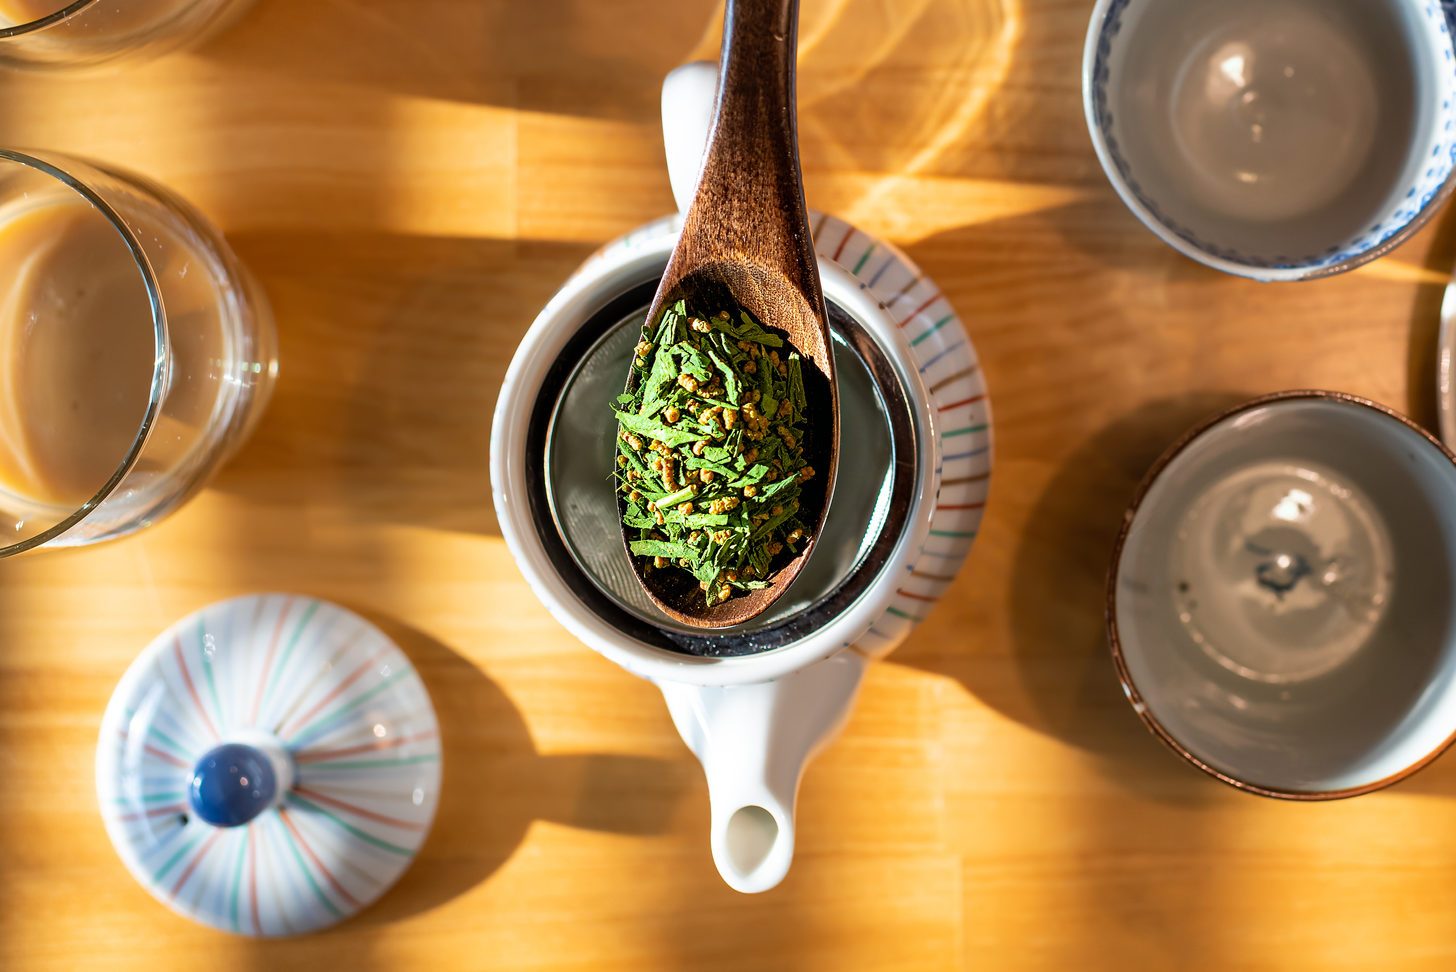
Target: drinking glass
{"points": [[136, 353], [89, 33]]}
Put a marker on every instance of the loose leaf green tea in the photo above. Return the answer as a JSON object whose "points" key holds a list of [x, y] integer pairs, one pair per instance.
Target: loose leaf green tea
{"points": [[710, 450]]}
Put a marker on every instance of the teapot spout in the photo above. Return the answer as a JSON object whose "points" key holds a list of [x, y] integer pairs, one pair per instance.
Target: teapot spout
{"points": [[754, 741]]}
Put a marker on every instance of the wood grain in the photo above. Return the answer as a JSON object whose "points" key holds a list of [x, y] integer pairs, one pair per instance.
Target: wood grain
{"points": [[411, 182], [746, 243]]}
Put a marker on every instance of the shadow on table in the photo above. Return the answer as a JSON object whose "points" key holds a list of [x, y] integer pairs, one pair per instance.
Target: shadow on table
{"points": [[1066, 686], [1423, 406], [393, 350], [495, 785], [1124, 844], [668, 900]]}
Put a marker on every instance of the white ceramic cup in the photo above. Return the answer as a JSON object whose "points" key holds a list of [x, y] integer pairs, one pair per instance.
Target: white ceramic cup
{"points": [[1282, 604], [1275, 139]]}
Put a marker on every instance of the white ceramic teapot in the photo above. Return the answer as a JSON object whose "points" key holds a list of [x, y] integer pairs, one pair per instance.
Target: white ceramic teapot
{"points": [[755, 703]]}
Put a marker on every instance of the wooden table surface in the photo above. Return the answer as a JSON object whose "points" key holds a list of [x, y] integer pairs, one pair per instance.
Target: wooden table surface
{"points": [[411, 181]]}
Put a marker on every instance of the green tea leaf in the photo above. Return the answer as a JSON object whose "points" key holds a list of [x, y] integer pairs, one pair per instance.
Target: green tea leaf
{"points": [[772, 524], [660, 548], [662, 377], [699, 521], [752, 477], [718, 468], [778, 490], [796, 386], [730, 379], [658, 430], [730, 542], [672, 499]]}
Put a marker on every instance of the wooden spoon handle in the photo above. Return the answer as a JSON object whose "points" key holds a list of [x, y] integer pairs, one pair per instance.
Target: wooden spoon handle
{"points": [[751, 186]]}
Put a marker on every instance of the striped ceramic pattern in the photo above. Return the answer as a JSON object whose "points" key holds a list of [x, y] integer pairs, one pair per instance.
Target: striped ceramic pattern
{"points": [[353, 715], [942, 350]]}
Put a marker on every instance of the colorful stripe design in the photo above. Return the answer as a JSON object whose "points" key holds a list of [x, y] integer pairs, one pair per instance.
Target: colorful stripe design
{"points": [[943, 353], [352, 712]]}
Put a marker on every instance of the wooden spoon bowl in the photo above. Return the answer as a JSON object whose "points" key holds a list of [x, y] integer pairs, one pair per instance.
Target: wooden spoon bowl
{"points": [[746, 243]]}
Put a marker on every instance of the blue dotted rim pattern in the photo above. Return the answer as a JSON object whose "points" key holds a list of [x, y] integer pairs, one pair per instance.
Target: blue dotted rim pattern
{"points": [[1431, 188]]}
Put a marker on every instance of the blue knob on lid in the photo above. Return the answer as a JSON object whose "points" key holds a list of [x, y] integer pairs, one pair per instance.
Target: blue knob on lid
{"points": [[232, 784]]}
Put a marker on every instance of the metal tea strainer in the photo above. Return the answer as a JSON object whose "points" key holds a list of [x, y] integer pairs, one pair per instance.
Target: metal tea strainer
{"points": [[571, 441]]}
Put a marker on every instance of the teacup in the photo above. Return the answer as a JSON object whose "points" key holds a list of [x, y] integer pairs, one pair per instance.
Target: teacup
{"points": [[1275, 139], [1282, 602]]}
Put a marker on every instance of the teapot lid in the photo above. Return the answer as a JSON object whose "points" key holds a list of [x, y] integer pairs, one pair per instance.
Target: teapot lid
{"points": [[269, 765]]}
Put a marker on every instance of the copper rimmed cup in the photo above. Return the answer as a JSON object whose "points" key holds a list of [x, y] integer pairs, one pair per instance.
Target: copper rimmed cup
{"points": [[1282, 600]]}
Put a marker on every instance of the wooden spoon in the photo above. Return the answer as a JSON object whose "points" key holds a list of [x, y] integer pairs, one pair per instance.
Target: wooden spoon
{"points": [[746, 242]]}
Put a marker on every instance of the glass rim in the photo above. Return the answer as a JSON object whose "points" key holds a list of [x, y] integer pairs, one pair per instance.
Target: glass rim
{"points": [[159, 333], [50, 19]]}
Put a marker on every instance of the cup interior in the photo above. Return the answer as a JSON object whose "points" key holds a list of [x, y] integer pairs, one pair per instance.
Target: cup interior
{"points": [[1275, 133], [1282, 602], [83, 351]]}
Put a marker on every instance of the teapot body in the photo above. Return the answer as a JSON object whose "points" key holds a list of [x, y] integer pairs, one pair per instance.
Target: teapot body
{"points": [[757, 712]]}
